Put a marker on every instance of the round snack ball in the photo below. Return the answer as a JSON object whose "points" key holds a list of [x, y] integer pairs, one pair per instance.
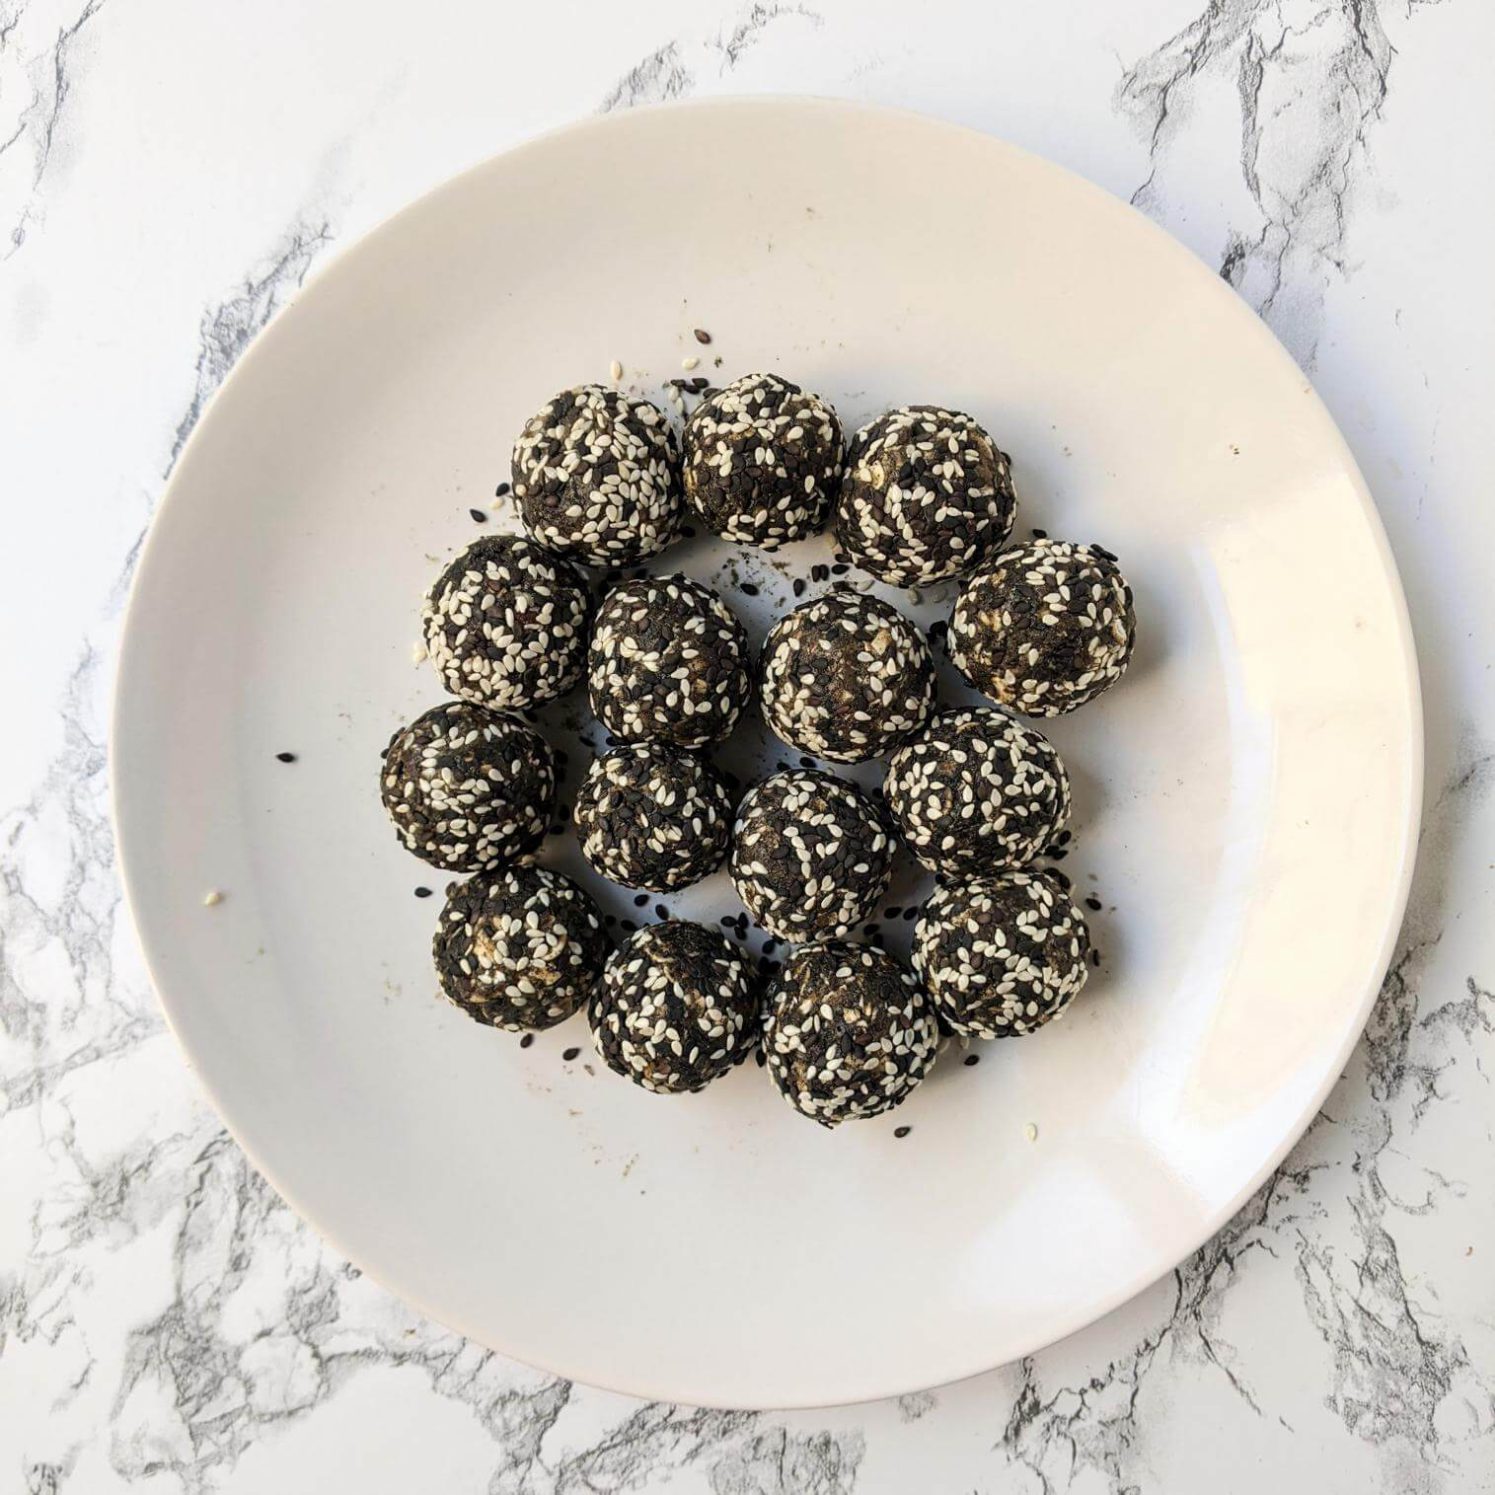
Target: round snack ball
{"points": [[675, 1009], [519, 948], [977, 790], [926, 494], [653, 816], [468, 789], [810, 855], [849, 1032], [595, 477], [845, 677], [762, 461], [1044, 627], [1001, 956], [506, 624], [668, 661]]}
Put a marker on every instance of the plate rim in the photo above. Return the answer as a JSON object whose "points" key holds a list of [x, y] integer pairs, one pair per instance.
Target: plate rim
{"points": [[878, 1389]]}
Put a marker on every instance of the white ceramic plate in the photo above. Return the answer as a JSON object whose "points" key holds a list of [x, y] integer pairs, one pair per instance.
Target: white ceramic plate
{"points": [[1246, 798]]}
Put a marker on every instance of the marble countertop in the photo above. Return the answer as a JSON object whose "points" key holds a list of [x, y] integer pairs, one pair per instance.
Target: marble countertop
{"points": [[170, 172]]}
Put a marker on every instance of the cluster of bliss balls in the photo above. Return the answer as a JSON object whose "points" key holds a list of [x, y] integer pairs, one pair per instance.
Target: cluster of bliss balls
{"points": [[975, 795]]}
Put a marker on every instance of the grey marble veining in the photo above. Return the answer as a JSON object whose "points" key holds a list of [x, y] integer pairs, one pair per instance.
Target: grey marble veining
{"points": [[166, 1323]]}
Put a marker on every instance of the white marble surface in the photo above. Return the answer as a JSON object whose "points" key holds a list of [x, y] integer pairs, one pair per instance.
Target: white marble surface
{"points": [[170, 171]]}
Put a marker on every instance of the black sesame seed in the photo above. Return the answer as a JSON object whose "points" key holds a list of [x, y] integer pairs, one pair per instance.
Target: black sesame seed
{"points": [[702, 336], [423, 892], [479, 517], [761, 1058], [769, 946], [688, 531], [1040, 534], [629, 925], [558, 829], [1062, 880], [872, 931], [971, 1059], [285, 757], [640, 899], [1093, 904], [840, 569], [799, 586], [748, 589], [609, 920], [527, 1040], [1095, 957], [502, 489], [1056, 854], [569, 1054], [910, 913], [807, 762], [891, 913], [902, 1131], [729, 919], [660, 911]]}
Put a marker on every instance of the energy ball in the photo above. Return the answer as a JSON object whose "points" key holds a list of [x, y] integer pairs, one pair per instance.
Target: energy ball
{"points": [[506, 624], [1001, 956], [926, 494], [810, 855], [668, 662], [849, 1032], [468, 789], [846, 677], [675, 1009], [762, 461], [653, 816], [1044, 627], [596, 477], [520, 948], [975, 791]]}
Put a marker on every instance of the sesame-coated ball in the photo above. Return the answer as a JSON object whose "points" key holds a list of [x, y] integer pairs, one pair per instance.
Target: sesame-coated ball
{"points": [[762, 461], [849, 1033], [810, 855], [1044, 627], [519, 948], [596, 477], [468, 789], [926, 494], [1001, 956], [506, 624], [977, 790], [653, 816], [676, 1008], [668, 661], [846, 677]]}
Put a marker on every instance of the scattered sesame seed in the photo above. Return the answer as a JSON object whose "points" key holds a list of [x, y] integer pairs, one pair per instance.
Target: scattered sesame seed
{"points": [[501, 490], [478, 516], [1093, 904], [212, 898], [417, 653], [615, 369], [702, 336], [690, 362], [423, 892], [1031, 1132], [902, 1131], [527, 1040], [569, 1054], [971, 1059], [285, 757]]}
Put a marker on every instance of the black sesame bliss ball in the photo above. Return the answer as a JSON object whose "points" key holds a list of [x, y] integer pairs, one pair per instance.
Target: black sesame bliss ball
{"points": [[519, 948], [1001, 956], [762, 461], [1044, 627], [506, 624], [596, 477], [977, 790], [849, 1033], [846, 677], [668, 661], [810, 855], [676, 1008], [653, 816], [468, 789], [926, 494]]}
